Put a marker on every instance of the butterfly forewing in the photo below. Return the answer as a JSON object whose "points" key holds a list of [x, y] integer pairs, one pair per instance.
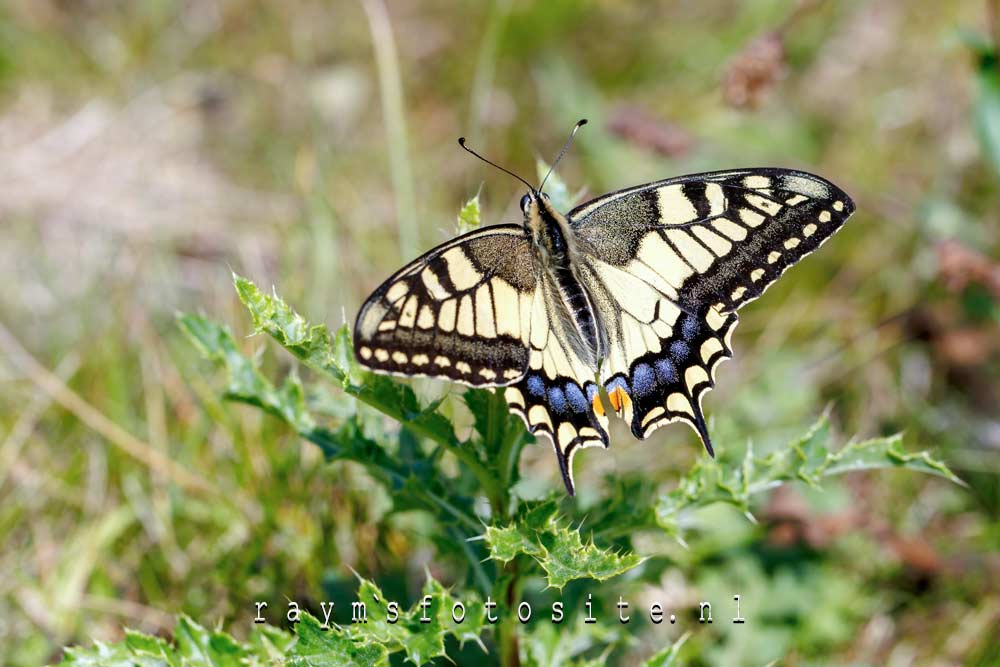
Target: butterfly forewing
{"points": [[462, 311]]}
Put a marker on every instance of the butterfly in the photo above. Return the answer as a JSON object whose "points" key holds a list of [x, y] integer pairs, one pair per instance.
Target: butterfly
{"points": [[632, 296]]}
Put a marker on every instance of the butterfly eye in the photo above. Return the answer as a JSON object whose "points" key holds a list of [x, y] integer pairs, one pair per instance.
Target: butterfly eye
{"points": [[525, 202]]}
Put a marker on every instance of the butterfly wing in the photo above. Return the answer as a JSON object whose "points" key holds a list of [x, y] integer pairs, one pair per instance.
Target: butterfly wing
{"points": [[558, 394], [662, 354], [476, 310], [462, 311], [669, 263]]}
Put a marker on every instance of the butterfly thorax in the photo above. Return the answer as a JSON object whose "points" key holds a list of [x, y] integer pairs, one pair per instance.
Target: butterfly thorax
{"points": [[555, 243]]}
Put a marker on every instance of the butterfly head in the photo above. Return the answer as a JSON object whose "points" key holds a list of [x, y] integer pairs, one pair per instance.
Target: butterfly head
{"points": [[545, 225], [532, 201]]}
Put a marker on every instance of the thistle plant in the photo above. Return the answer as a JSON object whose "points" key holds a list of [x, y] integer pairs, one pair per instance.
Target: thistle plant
{"points": [[503, 545]]}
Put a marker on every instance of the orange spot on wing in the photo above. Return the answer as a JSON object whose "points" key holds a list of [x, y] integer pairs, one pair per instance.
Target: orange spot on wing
{"points": [[598, 405], [619, 399]]}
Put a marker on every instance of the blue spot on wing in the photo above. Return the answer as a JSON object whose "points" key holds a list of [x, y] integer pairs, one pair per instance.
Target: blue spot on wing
{"points": [[679, 350], [612, 384], [689, 327], [643, 379], [536, 386], [576, 398], [557, 399], [666, 372]]}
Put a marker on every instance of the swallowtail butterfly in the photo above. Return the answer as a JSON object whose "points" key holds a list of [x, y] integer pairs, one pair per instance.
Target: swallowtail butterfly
{"points": [[634, 293]]}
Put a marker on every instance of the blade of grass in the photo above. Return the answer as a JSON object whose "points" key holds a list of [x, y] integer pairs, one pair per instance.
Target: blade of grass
{"points": [[391, 91], [486, 61]]}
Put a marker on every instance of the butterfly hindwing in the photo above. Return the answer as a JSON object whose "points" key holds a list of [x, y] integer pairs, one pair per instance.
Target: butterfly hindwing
{"points": [[558, 396], [462, 311], [662, 355]]}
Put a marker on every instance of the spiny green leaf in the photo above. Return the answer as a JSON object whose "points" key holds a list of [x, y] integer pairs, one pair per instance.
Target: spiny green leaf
{"points": [[104, 655], [193, 646], [329, 647], [198, 646], [808, 460], [415, 487], [421, 641], [508, 542], [558, 548], [312, 345], [469, 217]]}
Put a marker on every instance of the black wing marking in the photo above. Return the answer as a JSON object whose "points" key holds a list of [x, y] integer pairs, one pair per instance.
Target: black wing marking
{"points": [[461, 311], [668, 263]]}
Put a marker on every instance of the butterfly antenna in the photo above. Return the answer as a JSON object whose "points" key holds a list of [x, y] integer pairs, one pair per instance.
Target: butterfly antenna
{"points": [[581, 123], [461, 142]]}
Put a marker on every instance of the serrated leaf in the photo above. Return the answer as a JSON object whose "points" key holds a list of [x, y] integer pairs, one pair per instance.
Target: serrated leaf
{"points": [[193, 646], [422, 642], [808, 460], [247, 385], [197, 646], [469, 217], [104, 655], [558, 548], [313, 346], [561, 644], [330, 647]]}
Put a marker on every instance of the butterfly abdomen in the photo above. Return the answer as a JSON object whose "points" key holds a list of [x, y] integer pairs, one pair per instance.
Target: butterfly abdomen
{"points": [[580, 307]]}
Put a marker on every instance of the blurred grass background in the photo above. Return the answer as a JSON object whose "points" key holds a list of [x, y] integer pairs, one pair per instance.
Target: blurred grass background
{"points": [[149, 147]]}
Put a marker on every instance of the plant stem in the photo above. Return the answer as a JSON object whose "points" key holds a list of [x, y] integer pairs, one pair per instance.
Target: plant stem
{"points": [[510, 654], [500, 503]]}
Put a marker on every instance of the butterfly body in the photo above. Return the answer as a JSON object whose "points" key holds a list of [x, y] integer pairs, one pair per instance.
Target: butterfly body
{"points": [[556, 252], [632, 295]]}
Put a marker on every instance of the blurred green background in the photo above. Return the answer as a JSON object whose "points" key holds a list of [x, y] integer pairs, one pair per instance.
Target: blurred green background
{"points": [[148, 148]]}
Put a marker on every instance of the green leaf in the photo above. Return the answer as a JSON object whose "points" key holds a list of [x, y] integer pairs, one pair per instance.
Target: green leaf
{"points": [[415, 486], [198, 646], [469, 217], [193, 646], [421, 641], [560, 196], [558, 548], [312, 345], [330, 647], [358, 644], [807, 460], [668, 656]]}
